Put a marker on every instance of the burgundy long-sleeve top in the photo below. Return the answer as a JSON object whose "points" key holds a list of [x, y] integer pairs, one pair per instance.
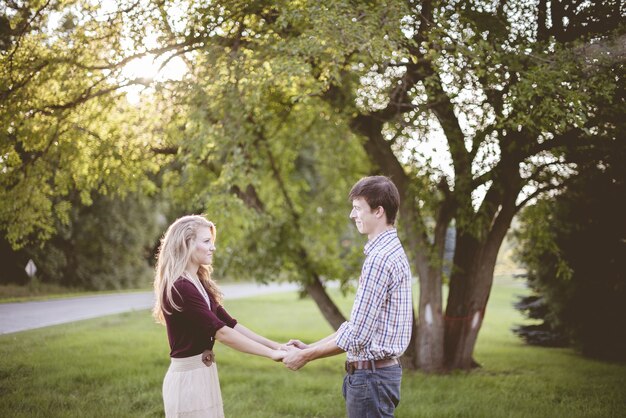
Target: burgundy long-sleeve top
{"points": [[192, 330]]}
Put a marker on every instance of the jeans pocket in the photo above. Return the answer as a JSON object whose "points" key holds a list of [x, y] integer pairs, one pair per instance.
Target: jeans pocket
{"points": [[358, 395], [388, 395], [357, 381]]}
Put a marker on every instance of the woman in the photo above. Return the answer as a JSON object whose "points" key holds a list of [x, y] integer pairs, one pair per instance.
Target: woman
{"points": [[189, 303]]}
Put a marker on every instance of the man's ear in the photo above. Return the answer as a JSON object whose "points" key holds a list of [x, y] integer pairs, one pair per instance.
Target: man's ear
{"points": [[380, 212]]}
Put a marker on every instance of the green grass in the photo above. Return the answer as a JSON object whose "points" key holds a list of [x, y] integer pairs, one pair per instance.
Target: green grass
{"points": [[114, 366]]}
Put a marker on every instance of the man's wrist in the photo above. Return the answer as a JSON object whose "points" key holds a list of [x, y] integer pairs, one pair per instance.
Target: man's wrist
{"points": [[309, 354]]}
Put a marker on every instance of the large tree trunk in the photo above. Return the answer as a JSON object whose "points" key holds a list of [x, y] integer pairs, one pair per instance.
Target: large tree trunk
{"points": [[425, 350], [430, 331], [464, 317], [426, 346], [470, 286], [325, 304]]}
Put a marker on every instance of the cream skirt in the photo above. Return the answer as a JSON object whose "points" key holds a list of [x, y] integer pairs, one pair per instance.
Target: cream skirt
{"points": [[192, 390]]}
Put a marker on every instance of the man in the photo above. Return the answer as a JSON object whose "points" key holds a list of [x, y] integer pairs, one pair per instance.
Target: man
{"points": [[380, 325]]}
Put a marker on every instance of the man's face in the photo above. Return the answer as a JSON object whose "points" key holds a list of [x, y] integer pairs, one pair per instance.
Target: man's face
{"points": [[363, 216]]}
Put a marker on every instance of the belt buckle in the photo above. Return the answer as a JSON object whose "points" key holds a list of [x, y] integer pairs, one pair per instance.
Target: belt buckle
{"points": [[350, 367]]}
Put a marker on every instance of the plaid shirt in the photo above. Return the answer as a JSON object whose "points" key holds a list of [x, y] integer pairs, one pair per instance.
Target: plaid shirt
{"points": [[381, 320]]}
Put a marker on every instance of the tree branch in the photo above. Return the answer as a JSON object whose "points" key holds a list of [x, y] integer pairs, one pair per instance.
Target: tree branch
{"points": [[85, 96], [444, 217], [25, 27], [536, 193], [561, 140], [5, 94]]}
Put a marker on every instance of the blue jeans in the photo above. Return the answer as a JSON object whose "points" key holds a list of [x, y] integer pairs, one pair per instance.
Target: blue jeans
{"points": [[372, 393]]}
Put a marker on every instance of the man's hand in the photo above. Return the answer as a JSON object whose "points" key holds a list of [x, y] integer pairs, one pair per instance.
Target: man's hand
{"points": [[208, 357], [298, 344], [295, 359]]}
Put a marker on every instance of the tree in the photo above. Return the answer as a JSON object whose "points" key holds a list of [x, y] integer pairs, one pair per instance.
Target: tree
{"points": [[270, 173], [573, 247], [65, 123], [508, 95], [574, 251]]}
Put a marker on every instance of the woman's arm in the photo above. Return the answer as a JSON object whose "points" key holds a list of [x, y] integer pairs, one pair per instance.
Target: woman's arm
{"points": [[240, 342], [256, 337]]}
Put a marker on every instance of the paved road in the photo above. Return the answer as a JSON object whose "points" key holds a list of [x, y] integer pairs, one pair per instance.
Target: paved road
{"points": [[23, 316]]}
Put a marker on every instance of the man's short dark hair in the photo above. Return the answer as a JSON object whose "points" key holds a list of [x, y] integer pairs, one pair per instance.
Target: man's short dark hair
{"points": [[378, 191]]}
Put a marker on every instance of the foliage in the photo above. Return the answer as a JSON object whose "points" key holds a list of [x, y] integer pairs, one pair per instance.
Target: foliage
{"points": [[573, 245], [106, 245], [507, 93], [545, 334], [574, 250], [267, 160], [65, 126]]}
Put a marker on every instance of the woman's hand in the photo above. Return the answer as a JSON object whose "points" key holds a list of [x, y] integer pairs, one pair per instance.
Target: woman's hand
{"points": [[208, 357], [278, 355]]}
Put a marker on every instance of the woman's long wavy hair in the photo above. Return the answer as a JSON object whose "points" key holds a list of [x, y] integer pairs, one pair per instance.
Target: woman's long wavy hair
{"points": [[174, 253]]}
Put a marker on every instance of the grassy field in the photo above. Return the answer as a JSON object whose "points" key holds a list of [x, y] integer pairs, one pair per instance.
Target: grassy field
{"points": [[113, 367]]}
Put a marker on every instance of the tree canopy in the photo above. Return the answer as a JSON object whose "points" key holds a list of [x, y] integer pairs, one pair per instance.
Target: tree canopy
{"points": [[65, 125]]}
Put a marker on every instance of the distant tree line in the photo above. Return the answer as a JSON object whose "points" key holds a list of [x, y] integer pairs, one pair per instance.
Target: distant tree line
{"points": [[109, 244]]}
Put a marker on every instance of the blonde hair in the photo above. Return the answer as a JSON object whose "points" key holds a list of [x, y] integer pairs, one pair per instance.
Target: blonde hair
{"points": [[172, 258]]}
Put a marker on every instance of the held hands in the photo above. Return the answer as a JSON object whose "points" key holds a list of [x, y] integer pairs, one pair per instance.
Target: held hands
{"points": [[291, 354], [282, 351], [291, 345], [295, 359]]}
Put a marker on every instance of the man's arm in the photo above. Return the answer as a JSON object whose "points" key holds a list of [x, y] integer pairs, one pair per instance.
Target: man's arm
{"points": [[326, 347], [301, 345], [356, 333]]}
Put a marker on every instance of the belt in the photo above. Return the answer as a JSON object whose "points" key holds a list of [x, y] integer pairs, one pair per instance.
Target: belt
{"points": [[351, 366]]}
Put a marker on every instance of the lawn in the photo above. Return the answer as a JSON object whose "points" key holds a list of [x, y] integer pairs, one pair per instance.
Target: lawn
{"points": [[113, 367]]}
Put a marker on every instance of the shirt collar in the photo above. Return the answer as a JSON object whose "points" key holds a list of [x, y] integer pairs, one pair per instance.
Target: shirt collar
{"points": [[378, 239]]}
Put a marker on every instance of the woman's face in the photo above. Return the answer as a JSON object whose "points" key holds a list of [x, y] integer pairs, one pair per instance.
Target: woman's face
{"points": [[202, 253]]}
